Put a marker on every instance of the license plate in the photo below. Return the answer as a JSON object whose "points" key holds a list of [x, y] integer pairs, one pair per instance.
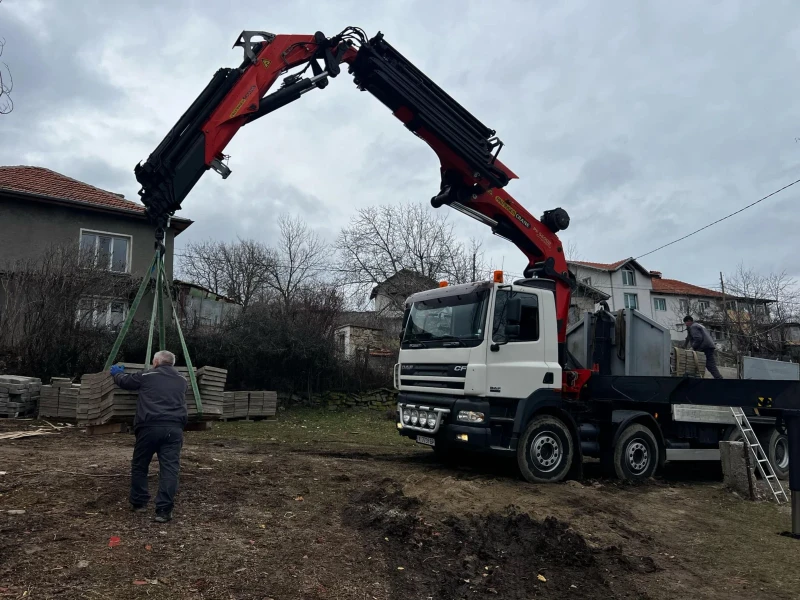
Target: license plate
{"points": [[428, 441]]}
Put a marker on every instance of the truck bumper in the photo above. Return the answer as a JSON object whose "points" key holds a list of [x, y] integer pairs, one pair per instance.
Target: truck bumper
{"points": [[449, 431]]}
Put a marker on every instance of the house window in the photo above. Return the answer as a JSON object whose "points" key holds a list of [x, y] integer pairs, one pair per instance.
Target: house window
{"points": [[587, 280], [107, 250], [628, 277], [631, 301], [684, 304], [101, 312], [703, 305], [660, 304]]}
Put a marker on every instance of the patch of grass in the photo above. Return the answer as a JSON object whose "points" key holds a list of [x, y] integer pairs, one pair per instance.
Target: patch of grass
{"points": [[318, 427]]}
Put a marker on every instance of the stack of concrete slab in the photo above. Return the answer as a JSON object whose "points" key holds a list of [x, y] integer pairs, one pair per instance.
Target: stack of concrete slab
{"points": [[211, 384], [101, 401], [241, 401], [19, 396], [249, 405], [262, 404], [59, 400], [687, 363], [228, 404]]}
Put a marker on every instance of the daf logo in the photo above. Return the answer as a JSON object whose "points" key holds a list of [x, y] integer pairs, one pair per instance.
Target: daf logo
{"points": [[460, 368]]}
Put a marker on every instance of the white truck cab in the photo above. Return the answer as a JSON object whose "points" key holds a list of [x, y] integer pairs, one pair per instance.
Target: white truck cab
{"points": [[471, 355], [479, 339]]}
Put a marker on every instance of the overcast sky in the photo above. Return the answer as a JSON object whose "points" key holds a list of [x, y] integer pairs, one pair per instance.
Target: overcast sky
{"points": [[644, 123]]}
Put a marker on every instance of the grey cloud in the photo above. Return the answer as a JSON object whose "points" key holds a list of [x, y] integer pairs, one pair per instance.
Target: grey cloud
{"points": [[643, 120]]}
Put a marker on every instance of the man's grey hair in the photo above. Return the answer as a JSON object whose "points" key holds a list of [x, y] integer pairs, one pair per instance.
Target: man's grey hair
{"points": [[164, 357]]}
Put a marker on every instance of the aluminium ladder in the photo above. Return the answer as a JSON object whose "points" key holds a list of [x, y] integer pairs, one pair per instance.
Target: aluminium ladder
{"points": [[764, 466]]}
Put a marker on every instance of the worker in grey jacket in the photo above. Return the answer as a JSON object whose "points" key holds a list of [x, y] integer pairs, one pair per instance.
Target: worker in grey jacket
{"points": [[160, 419], [698, 337]]}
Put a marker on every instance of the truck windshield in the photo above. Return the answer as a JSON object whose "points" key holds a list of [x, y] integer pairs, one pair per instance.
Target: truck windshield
{"points": [[459, 318]]}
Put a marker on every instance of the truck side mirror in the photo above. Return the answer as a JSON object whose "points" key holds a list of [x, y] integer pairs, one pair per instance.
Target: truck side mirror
{"points": [[514, 311]]}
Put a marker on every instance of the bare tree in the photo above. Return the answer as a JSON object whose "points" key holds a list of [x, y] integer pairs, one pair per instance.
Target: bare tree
{"points": [[383, 241], [759, 306], [6, 83], [298, 259], [239, 270], [58, 311]]}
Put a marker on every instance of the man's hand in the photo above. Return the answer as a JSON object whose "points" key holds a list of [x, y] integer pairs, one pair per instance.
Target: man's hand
{"points": [[117, 369]]}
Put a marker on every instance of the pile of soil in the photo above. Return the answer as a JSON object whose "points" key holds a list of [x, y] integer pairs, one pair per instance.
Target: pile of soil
{"points": [[504, 554]]}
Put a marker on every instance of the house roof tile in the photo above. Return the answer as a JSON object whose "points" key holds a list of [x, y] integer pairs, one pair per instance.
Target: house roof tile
{"points": [[48, 184], [673, 286], [44, 182], [602, 266]]}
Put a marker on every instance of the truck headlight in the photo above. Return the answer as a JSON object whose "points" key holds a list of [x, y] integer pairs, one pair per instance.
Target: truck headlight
{"points": [[470, 416], [406, 417], [414, 417], [423, 418], [432, 421]]}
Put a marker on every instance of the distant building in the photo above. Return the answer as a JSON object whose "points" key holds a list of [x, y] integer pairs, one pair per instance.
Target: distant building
{"points": [[668, 301], [389, 297], [200, 307], [41, 209]]}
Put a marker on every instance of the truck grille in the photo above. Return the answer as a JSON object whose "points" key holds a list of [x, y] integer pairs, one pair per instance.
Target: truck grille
{"points": [[432, 370], [424, 419], [451, 385]]}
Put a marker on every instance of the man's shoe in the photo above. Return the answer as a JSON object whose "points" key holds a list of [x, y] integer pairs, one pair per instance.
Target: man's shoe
{"points": [[163, 517], [138, 508]]}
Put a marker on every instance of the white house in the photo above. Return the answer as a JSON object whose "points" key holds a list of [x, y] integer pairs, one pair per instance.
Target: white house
{"points": [[666, 301]]}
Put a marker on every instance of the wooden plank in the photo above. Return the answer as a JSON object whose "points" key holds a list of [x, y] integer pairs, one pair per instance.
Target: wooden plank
{"points": [[107, 428]]}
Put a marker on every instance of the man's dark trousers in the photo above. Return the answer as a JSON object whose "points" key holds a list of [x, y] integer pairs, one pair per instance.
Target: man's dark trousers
{"points": [[711, 363], [166, 442]]}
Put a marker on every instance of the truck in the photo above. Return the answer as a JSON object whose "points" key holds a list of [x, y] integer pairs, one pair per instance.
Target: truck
{"points": [[478, 370], [483, 365]]}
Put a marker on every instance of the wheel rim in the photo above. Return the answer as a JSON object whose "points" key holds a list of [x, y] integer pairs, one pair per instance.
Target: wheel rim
{"points": [[638, 456], [782, 453], [546, 451]]}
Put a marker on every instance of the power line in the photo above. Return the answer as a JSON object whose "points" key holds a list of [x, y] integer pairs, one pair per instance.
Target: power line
{"points": [[719, 220]]}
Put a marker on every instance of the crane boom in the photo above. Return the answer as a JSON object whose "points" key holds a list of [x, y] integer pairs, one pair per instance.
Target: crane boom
{"points": [[472, 177]]}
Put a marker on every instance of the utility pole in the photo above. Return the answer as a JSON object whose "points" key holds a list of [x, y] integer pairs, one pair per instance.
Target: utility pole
{"points": [[724, 310]]}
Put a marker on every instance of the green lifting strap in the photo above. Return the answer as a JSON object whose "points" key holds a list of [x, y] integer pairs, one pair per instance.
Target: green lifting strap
{"points": [[192, 378], [148, 357], [131, 312], [161, 287]]}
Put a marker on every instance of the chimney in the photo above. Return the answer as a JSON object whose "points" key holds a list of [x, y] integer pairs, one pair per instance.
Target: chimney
{"points": [[655, 274]]}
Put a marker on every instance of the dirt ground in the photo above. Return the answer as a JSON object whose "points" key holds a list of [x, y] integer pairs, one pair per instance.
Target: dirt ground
{"points": [[321, 505]]}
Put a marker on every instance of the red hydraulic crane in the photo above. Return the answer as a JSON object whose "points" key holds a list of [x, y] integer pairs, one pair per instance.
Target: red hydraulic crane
{"points": [[473, 179]]}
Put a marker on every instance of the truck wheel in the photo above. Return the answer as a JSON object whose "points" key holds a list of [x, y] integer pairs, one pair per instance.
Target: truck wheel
{"points": [[776, 446], [544, 454], [733, 434], [636, 453]]}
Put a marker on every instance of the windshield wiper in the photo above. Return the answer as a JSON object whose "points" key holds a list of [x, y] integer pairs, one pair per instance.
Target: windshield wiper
{"points": [[452, 340]]}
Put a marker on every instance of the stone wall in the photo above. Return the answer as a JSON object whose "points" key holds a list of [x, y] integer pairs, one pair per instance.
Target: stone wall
{"points": [[381, 399]]}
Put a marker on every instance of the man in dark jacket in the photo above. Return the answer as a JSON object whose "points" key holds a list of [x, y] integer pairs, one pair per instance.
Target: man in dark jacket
{"points": [[698, 337], [160, 419]]}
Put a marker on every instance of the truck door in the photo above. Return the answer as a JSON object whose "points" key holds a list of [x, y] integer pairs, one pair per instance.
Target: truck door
{"points": [[516, 361]]}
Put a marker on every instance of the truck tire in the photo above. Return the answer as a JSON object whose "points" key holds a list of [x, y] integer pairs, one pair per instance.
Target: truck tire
{"points": [[636, 453], [545, 451], [776, 445], [733, 434]]}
